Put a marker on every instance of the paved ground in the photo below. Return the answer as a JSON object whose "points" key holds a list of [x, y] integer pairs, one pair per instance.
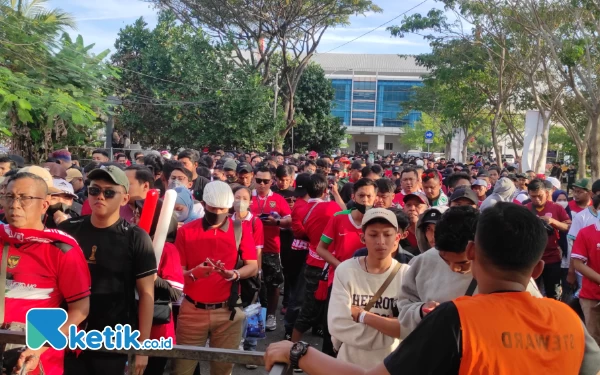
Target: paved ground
{"points": [[273, 336]]}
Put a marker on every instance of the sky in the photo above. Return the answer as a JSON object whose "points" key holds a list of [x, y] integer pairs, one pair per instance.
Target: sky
{"points": [[99, 22]]}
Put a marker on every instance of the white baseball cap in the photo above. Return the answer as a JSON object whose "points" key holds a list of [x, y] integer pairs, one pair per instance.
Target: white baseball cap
{"points": [[554, 182], [218, 194], [63, 186]]}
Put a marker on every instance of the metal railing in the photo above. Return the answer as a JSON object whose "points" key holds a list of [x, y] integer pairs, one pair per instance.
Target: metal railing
{"points": [[195, 353]]}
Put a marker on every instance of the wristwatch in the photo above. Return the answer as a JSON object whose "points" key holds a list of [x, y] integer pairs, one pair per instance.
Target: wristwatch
{"points": [[298, 351]]}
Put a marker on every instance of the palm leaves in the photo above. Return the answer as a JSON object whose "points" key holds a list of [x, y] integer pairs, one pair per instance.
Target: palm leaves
{"points": [[36, 10]]}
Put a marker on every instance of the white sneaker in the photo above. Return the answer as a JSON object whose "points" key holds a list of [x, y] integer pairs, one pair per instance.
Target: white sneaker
{"points": [[251, 367], [271, 323]]}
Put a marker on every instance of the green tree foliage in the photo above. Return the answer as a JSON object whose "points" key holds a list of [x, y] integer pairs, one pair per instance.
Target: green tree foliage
{"points": [[316, 128], [414, 137], [50, 85], [180, 90], [259, 30]]}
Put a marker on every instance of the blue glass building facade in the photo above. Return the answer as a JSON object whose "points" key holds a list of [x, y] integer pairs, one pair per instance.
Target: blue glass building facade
{"points": [[369, 101]]}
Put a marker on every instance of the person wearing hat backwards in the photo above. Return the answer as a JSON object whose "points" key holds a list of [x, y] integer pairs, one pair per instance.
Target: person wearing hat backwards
{"points": [[367, 336], [582, 195], [121, 261], [503, 330]]}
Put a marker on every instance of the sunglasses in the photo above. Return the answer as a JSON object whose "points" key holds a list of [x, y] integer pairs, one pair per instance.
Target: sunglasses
{"points": [[96, 191], [261, 181]]}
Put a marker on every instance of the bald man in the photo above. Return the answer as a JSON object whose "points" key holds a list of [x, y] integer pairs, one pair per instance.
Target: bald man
{"points": [[48, 262]]}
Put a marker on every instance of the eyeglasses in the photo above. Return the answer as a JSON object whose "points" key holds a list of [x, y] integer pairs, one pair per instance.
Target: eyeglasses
{"points": [[108, 193], [261, 181], [178, 178], [24, 201]]}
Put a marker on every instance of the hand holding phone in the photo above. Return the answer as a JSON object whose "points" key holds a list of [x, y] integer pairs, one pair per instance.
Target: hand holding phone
{"points": [[217, 265]]}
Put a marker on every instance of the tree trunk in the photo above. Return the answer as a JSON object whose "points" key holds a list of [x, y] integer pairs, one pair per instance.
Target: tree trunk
{"points": [[582, 154], [544, 143], [290, 111], [594, 145], [465, 145], [448, 149], [497, 150]]}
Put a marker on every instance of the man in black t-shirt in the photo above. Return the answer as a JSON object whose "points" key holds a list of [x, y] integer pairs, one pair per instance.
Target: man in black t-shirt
{"points": [[121, 261]]}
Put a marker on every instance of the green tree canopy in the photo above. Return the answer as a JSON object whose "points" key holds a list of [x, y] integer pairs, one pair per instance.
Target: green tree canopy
{"points": [[50, 86], [179, 89], [316, 128]]}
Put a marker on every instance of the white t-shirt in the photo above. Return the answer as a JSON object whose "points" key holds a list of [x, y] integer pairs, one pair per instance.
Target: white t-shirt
{"points": [[360, 344], [581, 220]]}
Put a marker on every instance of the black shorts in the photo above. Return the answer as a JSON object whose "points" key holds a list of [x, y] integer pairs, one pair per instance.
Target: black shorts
{"points": [[272, 270]]}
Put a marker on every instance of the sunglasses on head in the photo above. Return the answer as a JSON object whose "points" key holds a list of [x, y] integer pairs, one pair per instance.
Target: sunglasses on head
{"points": [[95, 191], [261, 181]]}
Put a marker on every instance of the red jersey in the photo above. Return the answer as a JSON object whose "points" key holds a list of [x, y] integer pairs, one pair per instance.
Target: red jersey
{"points": [[412, 239], [169, 269], [587, 248], [196, 242], [575, 208], [45, 270], [253, 225], [85, 208], [343, 236], [399, 198], [298, 213], [552, 254], [272, 203], [319, 218]]}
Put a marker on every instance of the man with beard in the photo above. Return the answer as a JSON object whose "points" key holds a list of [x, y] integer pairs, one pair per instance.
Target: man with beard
{"points": [[582, 195]]}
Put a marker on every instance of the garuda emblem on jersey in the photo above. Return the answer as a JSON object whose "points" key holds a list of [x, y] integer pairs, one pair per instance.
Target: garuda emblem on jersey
{"points": [[272, 204], [13, 260]]}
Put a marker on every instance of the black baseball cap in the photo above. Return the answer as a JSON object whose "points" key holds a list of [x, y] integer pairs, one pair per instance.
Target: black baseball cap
{"points": [[483, 173], [336, 167], [244, 168], [396, 170], [464, 193], [302, 181], [431, 217]]}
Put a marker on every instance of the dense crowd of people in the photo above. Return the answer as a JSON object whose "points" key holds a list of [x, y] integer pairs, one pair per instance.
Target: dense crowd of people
{"points": [[400, 264]]}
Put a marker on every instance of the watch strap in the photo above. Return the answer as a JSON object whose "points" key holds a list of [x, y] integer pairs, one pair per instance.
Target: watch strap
{"points": [[295, 355]]}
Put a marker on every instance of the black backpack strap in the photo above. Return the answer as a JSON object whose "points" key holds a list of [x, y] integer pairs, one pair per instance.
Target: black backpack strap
{"points": [[234, 295], [471, 288]]}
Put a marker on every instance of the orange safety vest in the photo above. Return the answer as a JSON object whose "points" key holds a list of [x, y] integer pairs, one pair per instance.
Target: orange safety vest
{"points": [[516, 333]]}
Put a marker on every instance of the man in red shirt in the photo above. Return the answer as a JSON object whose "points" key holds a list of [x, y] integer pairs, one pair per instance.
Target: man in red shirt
{"points": [[586, 260], [341, 237], [414, 205], [45, 267], [315, 215], [275, 213], [206, 311], [555, 219], [409, 182], [582, 195]]}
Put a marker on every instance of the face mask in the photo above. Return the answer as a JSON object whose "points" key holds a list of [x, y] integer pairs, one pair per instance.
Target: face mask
{"points": [[182, 215], [241, 206], [564, 204], [362, 208], [175, 184], [52, 209], [214, 219], [231, 179]]}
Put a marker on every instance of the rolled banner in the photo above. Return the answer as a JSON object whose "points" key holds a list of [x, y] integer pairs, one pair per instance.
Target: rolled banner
{"points": [[164, 220], [148, 211]]}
